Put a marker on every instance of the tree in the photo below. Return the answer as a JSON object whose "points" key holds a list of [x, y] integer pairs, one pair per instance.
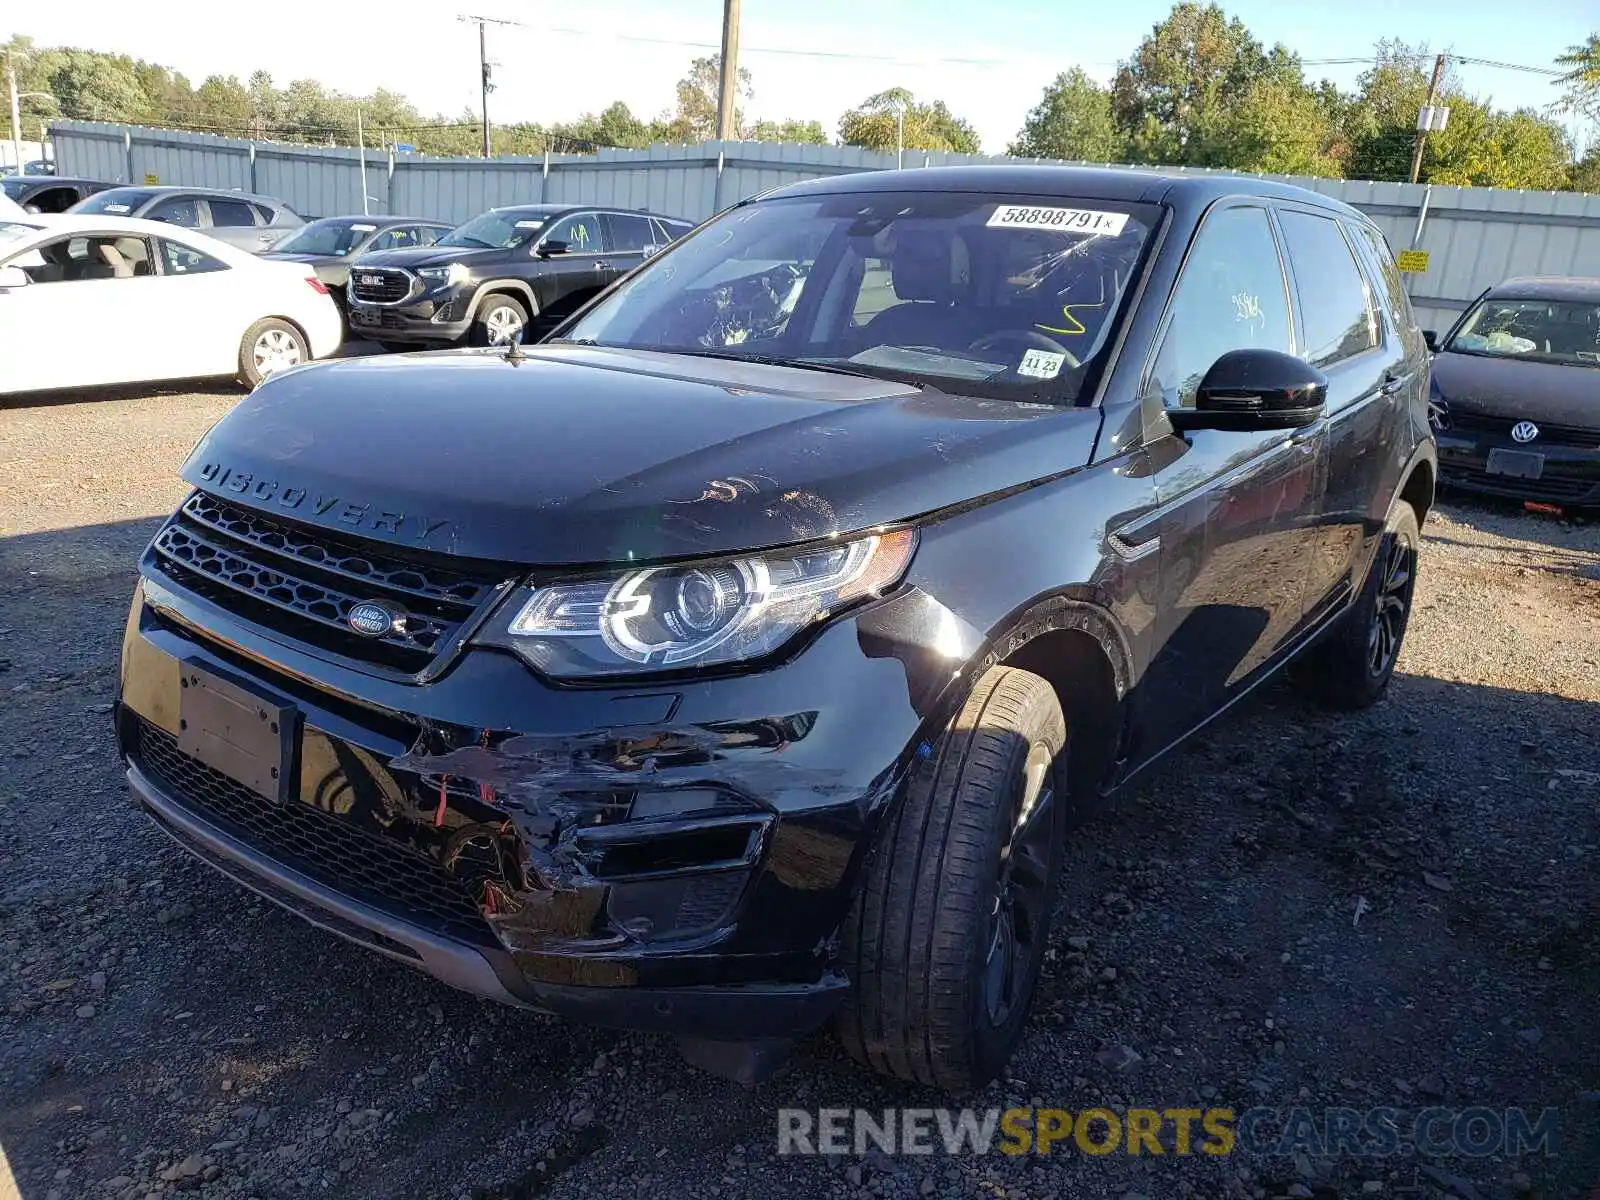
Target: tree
{"points": [[1581, 83], [875, 125], [1073, 121], [94, 87], [695, 118], [810, 133], [1282, 127], [1381, 120], [1172, 98]]}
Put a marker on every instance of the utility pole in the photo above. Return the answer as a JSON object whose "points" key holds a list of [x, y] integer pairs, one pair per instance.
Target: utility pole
{"points": [[361, 148], [483, 63], [1422, 126], [728, 93], [485, 67]]}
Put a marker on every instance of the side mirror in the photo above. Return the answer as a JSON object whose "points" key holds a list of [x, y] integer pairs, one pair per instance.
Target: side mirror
{"points": [[32, 208], [554, 246], [1255, 390], [13, 277], [1430, 338]]}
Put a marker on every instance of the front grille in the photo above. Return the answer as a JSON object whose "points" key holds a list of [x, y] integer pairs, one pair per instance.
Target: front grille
{"points": [[362, 864], [305, 582], [1547, 487], [379, 285], [1500, 427]]}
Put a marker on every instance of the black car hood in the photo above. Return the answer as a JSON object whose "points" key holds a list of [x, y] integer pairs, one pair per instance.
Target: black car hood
{"points": [[1519, 388], [412, 257], [576, 455]]}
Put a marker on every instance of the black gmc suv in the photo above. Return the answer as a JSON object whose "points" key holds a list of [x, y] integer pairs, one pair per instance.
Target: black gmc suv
{"points": [[736, 660], [485, 281]]}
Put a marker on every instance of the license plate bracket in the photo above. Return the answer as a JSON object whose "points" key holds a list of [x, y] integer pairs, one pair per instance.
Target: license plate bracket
{"points": [[1518, 464], [238, 728]]}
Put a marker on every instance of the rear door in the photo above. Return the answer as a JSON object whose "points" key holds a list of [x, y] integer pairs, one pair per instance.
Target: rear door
{"points": [[1237, 508], [1343, 335], [631, 238]]}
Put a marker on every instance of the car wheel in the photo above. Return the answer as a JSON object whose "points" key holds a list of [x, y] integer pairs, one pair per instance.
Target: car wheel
{"points": [[268, 347], [1352, 665], [500, 320], [948, 931]]}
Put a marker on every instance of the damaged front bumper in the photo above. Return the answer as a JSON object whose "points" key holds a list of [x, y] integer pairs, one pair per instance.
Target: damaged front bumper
{"points": [[675, 858]]}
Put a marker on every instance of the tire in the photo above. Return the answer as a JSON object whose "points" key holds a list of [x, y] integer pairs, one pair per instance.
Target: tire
{"points": [[1350, 668], [497, 318], [927, 1005], [270, 346]]}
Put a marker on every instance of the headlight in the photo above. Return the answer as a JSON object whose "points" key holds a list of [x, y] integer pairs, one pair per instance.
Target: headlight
{"points": [[450, 276], [667, 618]]}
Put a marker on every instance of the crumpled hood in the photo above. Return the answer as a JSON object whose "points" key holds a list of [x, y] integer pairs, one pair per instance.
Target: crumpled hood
{"points": [[1519, 389], [580, 455]]}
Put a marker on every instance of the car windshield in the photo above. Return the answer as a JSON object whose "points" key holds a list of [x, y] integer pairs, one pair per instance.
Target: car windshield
{"points": [[1559, 331], [998, 296], [117, 202], [14, 231], [326, 237], [497, 229]]}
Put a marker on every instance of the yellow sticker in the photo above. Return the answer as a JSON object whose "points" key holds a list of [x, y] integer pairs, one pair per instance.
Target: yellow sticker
{"points": [[1412, 260], [151, 179]]}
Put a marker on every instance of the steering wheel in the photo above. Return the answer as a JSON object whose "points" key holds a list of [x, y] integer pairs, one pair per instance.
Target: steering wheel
{"points": [[1026, 338]]}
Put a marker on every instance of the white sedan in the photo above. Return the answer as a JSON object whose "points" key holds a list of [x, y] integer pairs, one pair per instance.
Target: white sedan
{"points": [[89, 300]]}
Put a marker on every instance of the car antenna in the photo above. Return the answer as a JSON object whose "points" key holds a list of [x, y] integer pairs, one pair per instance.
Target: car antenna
{"points": [[514, 352]]}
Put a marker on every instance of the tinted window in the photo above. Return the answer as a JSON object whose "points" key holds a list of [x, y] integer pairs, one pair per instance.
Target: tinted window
{"points": [[182, 260], [581, 232], [1231, 296], [1394, 284], [630, 235], [265, 214], [231, 213], [180, 210], [1333, 298]]}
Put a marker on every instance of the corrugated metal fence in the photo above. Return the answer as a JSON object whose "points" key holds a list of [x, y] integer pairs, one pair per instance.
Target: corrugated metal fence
{"points": [[1474, 236]]}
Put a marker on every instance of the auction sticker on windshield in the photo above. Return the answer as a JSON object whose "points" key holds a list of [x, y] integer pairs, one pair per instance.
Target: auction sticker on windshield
{"points": [[1067, 220], [1041, 364]]}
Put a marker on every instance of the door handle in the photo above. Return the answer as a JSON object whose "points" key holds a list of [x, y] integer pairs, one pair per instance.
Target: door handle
{"points": [[1392, 383], [602, 266]]}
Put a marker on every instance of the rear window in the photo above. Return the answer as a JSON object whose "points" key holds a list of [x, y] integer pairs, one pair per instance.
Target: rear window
{"points": [[115, 202]]}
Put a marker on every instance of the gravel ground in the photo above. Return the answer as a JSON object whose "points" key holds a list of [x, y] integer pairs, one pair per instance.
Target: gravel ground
{"points": [[1399, 908]]}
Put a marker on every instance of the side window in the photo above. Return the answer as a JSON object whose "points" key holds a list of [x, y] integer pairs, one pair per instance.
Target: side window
{"points": [[392, 239], [1394, 286], [630, 234], [1231, 296], [581, 232], [1335, 308], [178, 210], [231, 213], [263, 215], [178, 259], [77, 259]]}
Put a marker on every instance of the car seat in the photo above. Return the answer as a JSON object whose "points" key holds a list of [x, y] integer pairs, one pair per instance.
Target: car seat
{"points": [[932, 277]]}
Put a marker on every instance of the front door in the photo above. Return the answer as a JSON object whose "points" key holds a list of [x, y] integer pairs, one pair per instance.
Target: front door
{"points": [[566, 280], [1238, 509]]}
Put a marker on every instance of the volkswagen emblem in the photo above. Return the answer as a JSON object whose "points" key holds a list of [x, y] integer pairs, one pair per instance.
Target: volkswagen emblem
{"points": [[1524, 431], [371, 619]]}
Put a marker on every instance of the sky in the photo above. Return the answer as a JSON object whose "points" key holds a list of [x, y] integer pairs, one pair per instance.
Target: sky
{"points": [[989, 60]]}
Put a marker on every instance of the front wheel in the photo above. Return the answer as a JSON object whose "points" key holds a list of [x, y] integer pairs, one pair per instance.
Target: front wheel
{"points": [[946, 939], [501, 320], [1351, 667], [268, 347]]}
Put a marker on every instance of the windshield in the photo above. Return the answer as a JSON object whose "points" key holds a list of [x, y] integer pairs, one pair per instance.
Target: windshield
{"points": [[13, 231], [998, 296], [326, 237], [497, 229], [1559, 331], [115, 201]]}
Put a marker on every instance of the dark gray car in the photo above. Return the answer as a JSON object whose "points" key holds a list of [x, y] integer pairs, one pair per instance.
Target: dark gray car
{"points": [[329, 246], [1516, 393], [241, 219]]}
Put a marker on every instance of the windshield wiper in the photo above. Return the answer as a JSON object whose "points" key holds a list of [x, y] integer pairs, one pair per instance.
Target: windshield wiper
{"points": [[804, 364]]}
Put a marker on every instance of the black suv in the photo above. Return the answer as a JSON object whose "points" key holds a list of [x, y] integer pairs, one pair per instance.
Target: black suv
{"points": [[488, 279], [736, 660]]}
